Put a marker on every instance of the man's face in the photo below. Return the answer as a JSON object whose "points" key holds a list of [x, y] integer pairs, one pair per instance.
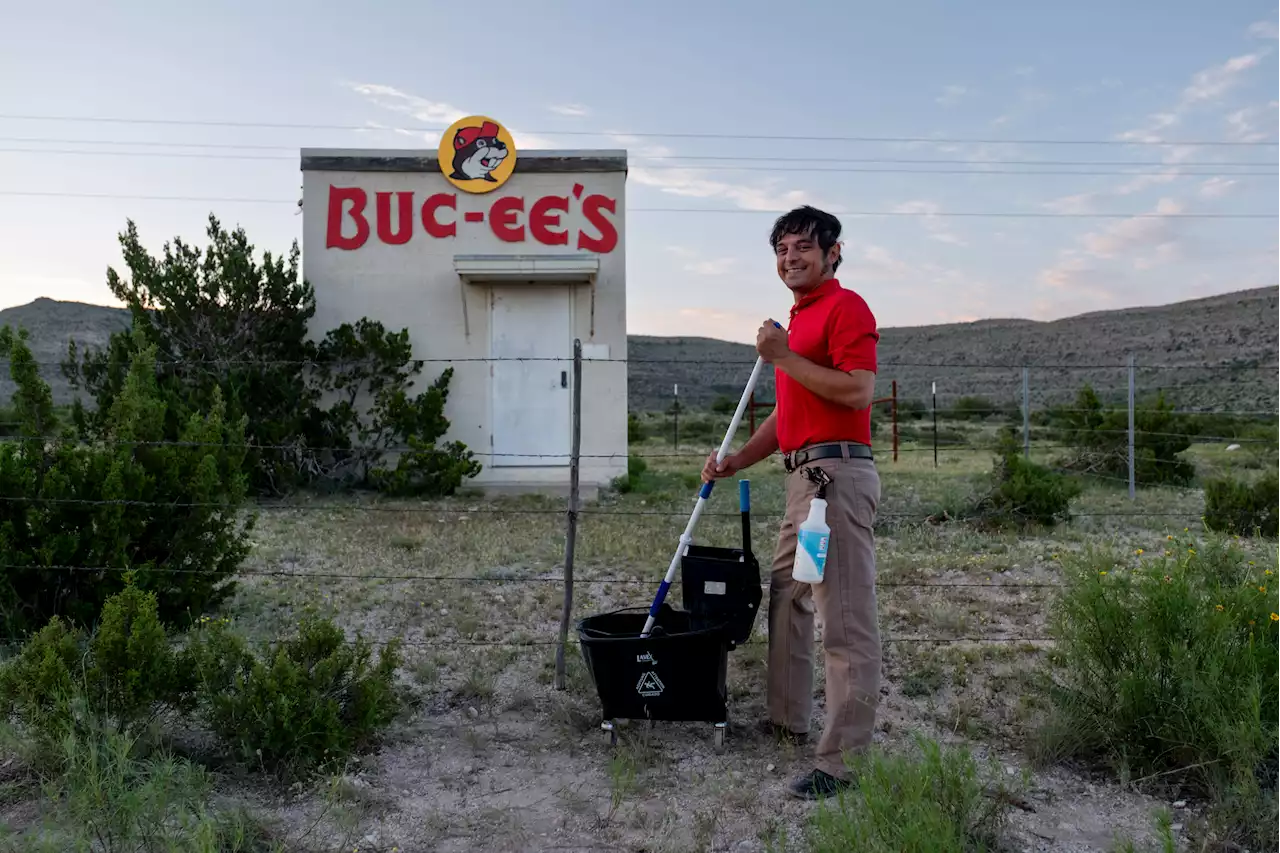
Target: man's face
{"points": [[802, 265]]}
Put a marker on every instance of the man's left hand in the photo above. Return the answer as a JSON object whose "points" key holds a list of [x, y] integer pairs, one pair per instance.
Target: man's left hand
{"points": [[771, 342]]}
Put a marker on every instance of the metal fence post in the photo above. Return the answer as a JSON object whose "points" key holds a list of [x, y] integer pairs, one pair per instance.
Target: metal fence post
{"points": [[1026, 412], [571, 522], [935, 424], [895, 420], [1132, 483]]}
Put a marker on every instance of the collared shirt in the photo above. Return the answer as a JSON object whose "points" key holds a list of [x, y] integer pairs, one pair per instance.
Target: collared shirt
{"points": [[832, 327]]}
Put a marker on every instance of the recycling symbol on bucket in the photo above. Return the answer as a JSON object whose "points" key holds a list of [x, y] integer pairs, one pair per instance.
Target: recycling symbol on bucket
{"points": [[650, 685]]}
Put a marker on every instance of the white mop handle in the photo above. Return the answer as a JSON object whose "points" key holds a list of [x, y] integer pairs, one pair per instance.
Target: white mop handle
{"points": [[705, 492]]}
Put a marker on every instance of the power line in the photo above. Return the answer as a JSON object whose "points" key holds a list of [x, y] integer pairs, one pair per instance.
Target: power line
{"points": [[711, 167], [627, 134], [1159, 164], [986, 214]]}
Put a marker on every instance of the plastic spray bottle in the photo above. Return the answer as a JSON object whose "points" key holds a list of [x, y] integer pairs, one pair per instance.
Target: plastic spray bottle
{"points": [[814, 534]]}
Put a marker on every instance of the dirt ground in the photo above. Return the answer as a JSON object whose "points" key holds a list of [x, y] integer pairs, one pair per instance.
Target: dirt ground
{"points": [[492, 757]]}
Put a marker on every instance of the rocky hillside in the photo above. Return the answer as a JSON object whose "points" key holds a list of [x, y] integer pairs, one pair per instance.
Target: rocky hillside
{"points": [[1214, 353]]}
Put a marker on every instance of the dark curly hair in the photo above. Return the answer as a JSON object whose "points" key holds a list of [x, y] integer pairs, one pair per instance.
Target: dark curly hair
{"points": [[818, 224]]}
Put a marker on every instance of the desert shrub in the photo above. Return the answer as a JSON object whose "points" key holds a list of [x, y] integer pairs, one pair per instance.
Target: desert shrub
{"points": [[306, 703], [636, 431], [1022, 492], [1099, 439], [224, 324], [633, 480], [101, 793], [1166, 667], [1241, 508], [934, 800], [908, 410], [723, 404], [125, 672], [924, 436], [158, 498], [974, 408]]}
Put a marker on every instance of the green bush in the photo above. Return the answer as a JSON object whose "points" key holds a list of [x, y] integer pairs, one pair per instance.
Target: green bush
{"points": [[1024, 493], [126, 672], [133, 500], [723, 404], [306, 704], [976, 409], [1166, 667], [225, 325], [100, 793], [933, 801], [1244, 509], [1099, 439], [632, 480], [636, 431]]}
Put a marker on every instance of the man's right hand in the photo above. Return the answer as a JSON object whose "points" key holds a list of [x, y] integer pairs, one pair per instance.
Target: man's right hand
{"points": [[727, 468]]}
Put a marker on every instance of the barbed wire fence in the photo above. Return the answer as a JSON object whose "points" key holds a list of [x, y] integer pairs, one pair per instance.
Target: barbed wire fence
{"points": [[954, 404]]}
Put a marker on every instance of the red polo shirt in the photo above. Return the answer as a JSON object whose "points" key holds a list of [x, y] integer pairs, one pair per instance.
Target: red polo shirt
{"points": [[832, 327]]}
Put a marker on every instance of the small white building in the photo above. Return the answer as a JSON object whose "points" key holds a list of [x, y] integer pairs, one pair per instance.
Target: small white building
{"points": [[494, 276]]}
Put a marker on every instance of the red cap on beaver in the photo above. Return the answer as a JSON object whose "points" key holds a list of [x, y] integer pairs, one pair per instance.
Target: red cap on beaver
{"points": [[467, 135]]}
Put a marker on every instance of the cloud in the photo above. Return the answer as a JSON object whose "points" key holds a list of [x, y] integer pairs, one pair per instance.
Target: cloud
{"points": [[574, 110], [1078, 203], [1242, 124], [435, 113], [693, 183], [1216, 187], [929, 211], [1143, 242], [703, 266], [875, 263], [1212, 82], [1264, 30], [952, 94], [1132, 234], [1206, 86]]}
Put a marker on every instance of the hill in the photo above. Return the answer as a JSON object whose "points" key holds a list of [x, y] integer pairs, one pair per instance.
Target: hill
{"points": [[1209, 351]]}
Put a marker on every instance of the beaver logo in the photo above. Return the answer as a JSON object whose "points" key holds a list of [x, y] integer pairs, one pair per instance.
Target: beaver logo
{"points": [[477, 154]]}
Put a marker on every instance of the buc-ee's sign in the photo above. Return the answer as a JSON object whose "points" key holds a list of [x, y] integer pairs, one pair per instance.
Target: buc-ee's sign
{"points": [[477, 155]]}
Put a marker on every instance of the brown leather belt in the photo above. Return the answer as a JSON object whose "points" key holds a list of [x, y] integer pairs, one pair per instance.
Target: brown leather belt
{"points": [[832, 450]]}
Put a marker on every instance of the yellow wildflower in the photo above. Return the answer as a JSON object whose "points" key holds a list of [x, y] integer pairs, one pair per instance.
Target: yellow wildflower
{"points": [[1275, 617], [1217, 607], [1102, 573]]}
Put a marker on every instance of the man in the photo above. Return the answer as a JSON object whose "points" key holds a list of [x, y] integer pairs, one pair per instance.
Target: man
{"points": [[824, 367]]}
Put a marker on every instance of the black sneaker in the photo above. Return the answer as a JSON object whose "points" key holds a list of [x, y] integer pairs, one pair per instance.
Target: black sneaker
{"points": [[773, 730], [818, 784]]}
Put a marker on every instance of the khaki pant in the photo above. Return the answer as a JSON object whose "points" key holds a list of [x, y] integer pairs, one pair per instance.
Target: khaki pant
{"points": [[846, 603]]}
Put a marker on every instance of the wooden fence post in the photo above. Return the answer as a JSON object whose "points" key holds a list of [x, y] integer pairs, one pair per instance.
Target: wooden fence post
{"points": [[571, 520]]}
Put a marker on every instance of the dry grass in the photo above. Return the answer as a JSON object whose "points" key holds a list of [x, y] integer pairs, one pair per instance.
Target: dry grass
{"points": [[494, 758]]}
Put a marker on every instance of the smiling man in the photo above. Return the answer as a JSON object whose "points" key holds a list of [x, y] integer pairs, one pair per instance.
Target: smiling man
{"points": [[825, 365]]}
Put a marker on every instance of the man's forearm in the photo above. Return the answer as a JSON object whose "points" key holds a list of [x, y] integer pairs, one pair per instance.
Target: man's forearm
{"points": [[855, 390], [761, 444]]}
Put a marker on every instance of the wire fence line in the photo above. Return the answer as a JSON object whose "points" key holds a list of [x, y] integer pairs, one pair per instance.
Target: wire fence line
{"points": [[747, 362], [572, 513]]}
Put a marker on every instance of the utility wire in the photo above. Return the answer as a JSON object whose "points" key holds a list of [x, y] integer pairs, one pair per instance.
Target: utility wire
{"points": [[1160, 165], [711, 167], [625, 134]]}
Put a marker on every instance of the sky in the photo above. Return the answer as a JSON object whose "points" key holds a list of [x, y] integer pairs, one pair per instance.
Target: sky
{"points": [[1090, 122]]}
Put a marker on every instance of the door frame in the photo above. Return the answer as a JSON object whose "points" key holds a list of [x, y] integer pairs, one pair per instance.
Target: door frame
{"points": [[569, 292]]}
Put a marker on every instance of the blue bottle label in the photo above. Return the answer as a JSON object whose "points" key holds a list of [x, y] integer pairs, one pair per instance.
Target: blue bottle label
{"points": [[814, 543]]}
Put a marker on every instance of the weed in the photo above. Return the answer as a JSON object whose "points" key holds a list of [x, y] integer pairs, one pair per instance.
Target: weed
{"points": [[1168, 672], [933, 801]]}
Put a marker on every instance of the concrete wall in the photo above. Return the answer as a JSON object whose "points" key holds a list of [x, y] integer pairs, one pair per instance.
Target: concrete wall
{"points": [[414, 285]]}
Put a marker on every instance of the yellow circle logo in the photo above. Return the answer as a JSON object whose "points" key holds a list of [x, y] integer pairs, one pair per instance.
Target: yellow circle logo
{"points": [[477, 154]]}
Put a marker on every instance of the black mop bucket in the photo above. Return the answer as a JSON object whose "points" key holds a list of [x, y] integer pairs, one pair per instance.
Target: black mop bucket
{"points": [[678, 672]]}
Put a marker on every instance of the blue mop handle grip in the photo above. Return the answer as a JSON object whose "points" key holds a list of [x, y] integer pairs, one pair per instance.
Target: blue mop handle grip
{"points": [[744, 495]]}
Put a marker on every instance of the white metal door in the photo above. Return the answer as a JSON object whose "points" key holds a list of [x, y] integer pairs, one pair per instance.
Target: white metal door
{"points": [[532, 418]]}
